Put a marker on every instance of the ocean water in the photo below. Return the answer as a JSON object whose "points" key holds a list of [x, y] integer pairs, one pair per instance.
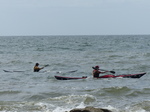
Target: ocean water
{"points": [[27, 91]]}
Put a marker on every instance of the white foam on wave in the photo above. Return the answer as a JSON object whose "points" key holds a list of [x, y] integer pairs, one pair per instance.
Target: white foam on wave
{"points": [[67, 109], [59, 109], [113, 109], [66, 103], [134, 109]]}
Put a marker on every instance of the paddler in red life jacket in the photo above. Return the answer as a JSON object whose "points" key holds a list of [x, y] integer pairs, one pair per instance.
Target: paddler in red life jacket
{"points": [[97, 71], [37, 68]]}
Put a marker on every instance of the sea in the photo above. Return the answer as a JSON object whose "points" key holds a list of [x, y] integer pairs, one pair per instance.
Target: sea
{"points": [[22, 90]]}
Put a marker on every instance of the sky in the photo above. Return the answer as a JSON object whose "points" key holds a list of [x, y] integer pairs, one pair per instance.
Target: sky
{"points": [[74, 17]]}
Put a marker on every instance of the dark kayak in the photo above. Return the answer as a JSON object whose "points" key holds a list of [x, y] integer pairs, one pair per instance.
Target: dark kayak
{"points": [[12, 71], [104, 76], [69, 78], [123, 76]]}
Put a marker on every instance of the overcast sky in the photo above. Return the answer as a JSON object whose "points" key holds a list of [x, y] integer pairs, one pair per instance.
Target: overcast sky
{"points": [[74, 17]]}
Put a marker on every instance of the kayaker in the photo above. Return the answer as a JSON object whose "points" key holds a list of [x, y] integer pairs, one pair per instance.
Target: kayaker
{"points": [[97, 71], [37, 68]]}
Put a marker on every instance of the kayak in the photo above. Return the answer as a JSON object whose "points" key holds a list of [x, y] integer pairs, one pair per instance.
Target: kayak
{"points": [[104, 76], [12, 71], [123, 76], [69, 78], [59, 72]]}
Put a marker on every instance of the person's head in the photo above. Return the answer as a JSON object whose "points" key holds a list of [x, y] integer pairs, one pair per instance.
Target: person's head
{"points": [[97, 67], [37, 64]]}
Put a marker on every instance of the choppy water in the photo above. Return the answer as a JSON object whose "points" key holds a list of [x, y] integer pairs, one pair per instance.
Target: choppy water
{"points": [[41, 92]]}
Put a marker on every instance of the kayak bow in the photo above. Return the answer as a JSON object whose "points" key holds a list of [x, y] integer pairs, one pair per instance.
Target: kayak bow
{"points": [[69, 78]]}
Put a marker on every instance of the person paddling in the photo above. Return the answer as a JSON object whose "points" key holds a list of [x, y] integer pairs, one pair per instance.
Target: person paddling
{"points": [[97, 71], [37, 68]]}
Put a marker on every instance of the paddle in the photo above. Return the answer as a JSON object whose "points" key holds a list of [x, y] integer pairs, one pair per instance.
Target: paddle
{"points": [[109, 71], [68, 71], [46, 65], [106, 70]]}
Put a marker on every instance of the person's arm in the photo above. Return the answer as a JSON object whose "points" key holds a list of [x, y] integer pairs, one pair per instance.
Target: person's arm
{"points": [[41, 68], [37, 69], [103, 72]]}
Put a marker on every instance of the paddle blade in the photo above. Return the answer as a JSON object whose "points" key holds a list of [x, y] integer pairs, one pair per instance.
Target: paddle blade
{"points": [[112, 72], [46, 65]]}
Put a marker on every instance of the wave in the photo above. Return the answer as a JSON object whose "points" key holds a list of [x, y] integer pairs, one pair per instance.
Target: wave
{"points": [[143, 92], [74, 99], [65, 103], [9, 92], [115, 91], [143, 106]]}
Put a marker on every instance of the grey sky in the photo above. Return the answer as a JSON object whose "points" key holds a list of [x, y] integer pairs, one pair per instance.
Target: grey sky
{"points": [[74, 17]]}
